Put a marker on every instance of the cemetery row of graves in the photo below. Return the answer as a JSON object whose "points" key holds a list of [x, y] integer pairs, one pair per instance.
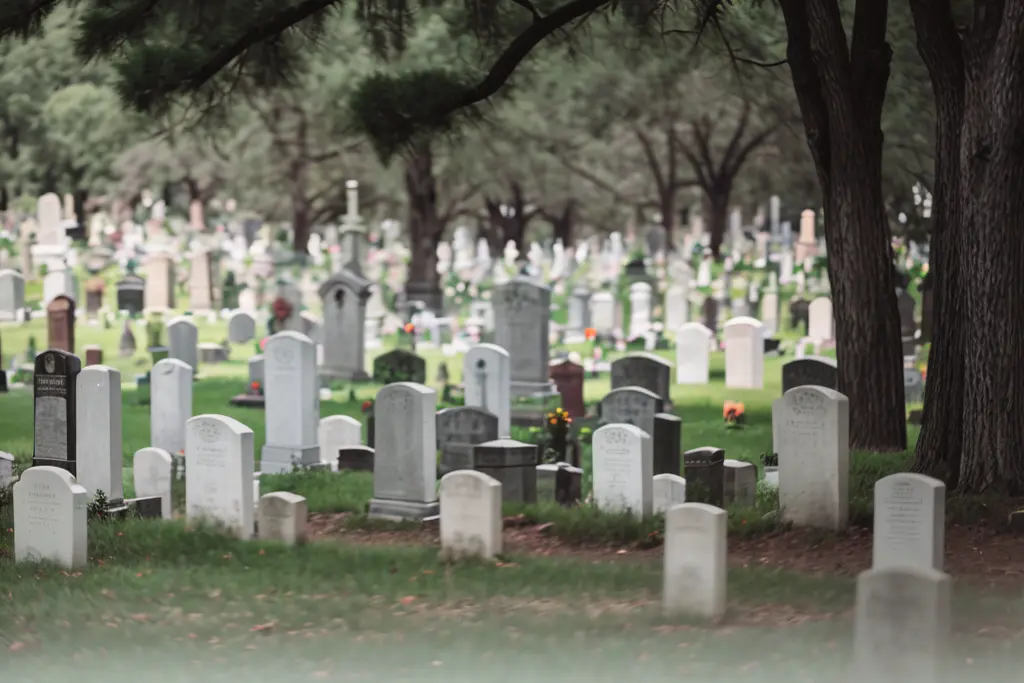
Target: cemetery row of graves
{"points": [[219, 502]]}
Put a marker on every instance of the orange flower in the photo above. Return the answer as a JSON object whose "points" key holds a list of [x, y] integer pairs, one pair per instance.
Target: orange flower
{"points": [[553, 421], [728, 409], [924, 373], [409, 328], [590, 333]]}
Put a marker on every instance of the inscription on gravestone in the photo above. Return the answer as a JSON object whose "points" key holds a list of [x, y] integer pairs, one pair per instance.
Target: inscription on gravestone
{"points": [[54, 381]]}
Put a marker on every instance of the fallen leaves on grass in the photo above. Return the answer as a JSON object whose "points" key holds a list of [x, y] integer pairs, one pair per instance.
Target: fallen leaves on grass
{"points": [[261, 628], [408, 600], [17, 646]]}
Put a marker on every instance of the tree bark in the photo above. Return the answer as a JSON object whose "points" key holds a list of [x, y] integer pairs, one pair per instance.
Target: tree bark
{"points": [[425, 225], [840, 90], [718, 219]]}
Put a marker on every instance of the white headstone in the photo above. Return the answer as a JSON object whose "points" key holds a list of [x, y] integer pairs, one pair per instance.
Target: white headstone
{"points": [[693, 349], [98, 417], [291, 391], [471, 521], [183, 341], [623, 463], [151, 471], [910, 522], [669, 491], [602, 312], [820, 324], [337, 432], [486, 376], [241, 327], [694, 574], [6, 469], [901, 625], [522, 315], [405, 458], [170, 404], [283, 517], [811, 433], [744, 354], [50, 517], [219, 473]]}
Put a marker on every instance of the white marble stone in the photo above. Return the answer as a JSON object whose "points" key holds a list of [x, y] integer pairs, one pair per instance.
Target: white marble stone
{"points": [[901, 625], [405, 458], [623, 463], [50, 518], [669, 491], [6, 469], [152, 474], [241, 327], [487, 378], [811, 434], [291, 391], [910, 522], [744, 354], [98, 418], [471, 520], [740, 483], [694, 573], [820, 324], [337, 432], [693, 350], [170, 404], [283, 517], [183, 341], [219, 473]]}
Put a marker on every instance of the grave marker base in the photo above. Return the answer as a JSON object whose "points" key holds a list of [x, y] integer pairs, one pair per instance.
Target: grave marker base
{"points": [[402, 510]]}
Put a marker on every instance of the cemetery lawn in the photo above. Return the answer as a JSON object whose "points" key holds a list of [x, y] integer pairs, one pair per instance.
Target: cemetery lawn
{"points": [[194, 605]]}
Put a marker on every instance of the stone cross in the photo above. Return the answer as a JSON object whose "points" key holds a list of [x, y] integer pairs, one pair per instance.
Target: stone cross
{"points": [[353, 228]]}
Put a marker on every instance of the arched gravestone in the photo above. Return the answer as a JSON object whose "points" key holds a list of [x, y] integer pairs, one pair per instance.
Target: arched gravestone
{"points": [[399, 365], [344, 296], [644, 370], [54, 409], [810, 371], [630, 405], [60, 323], [459, 430]]}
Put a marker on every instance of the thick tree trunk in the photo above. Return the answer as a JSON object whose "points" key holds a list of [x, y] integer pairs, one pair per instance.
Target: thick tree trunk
{"points": [[938, 452], [563, 225], [717, 199], [425, 225], [301, 225], [840, 89], [668, 220], [992, 259]]}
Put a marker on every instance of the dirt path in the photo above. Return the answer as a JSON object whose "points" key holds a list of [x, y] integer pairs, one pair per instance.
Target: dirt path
{"points": [[977, 553]]}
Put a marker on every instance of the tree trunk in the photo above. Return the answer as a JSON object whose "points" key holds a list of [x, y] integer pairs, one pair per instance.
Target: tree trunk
{"points": [[563, 224], [668, 220], [301, 224], [425, 225], [938, 452], [840, 90], [718, 216]]}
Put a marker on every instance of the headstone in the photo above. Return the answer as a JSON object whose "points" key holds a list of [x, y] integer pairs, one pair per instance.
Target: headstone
{"points": [[170, 404], [631, 405], [559, 483], [200, 282], [512, 463], [623, 463], [344, 296], [709, 314], [668, 443], [569, 377], [913, 385], [355, 458], [12, 294], [908, 325], [98, 417], [744, 354], [292, 403], [669, 491], [219, 476], [644, 370], [60, 323], [126, 345], [602, 312], [820, 324], [693, 350], [810, 371], [50, 517], [241, 327], [522, 311], [256, 370], [740, 483], [910, 522], [487, 378], [405, 465], [336, 432], [152, 470], [811, 433], [704, 469], [459, 430], [471, 520], [901, 625], [131, 294], [183, 341], [399, 365], [159, 291], [695, 566], [6, 470], [55, 383], [283, 517]]}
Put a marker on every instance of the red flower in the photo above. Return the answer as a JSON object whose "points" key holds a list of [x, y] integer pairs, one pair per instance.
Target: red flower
{"points": [[367, 405], [255, 386], [590, 333], [282, 309], [409, 328]]}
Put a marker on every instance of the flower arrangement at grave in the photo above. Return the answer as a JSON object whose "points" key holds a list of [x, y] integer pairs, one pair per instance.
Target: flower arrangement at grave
{"points": [[367, 407], [281, 310], [255, 389], [407, 336], [559, 423], [924, 373], [263, 344], [734, 414]]}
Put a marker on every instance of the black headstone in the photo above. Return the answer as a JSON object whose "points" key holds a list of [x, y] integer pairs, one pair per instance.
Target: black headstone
{"points": [[704, 470], [399, 365], [458, 431], [810, 371], [146, 508], [131, 294], [357, 458], [512, 463], [668, 443], [56, 373]]}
